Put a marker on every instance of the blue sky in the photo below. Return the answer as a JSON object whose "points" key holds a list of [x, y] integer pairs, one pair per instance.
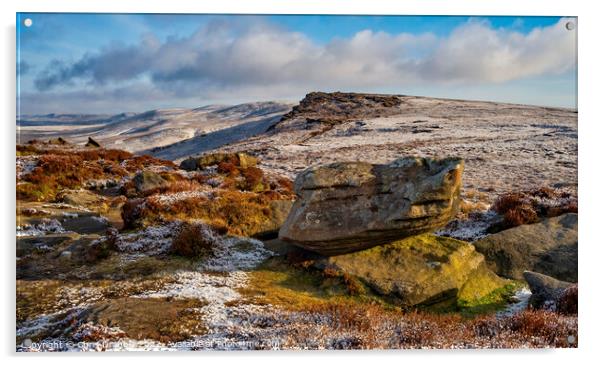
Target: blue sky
{"points": [[108, 63]]}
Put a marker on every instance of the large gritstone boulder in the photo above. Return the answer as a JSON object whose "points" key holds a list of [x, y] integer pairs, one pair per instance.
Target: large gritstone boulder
{"points": [[351, 206], [549, 247], [421, 270]]}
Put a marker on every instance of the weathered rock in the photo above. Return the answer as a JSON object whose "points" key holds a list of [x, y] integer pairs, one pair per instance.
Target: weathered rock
{"points": [[548, 247], [350, 206], [189, 164], [546, 291], [92, 143], [279, 210], [80, 198], [239, 159], [421, 270], [568, 301], [246, 161], [146, 181]]}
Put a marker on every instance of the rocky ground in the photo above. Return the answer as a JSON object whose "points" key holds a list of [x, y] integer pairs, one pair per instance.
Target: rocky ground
{"points": [[529, 146], [122, 252]]}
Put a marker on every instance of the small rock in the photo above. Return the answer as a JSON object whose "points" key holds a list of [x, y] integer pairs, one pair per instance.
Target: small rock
{"points": [[567, 303], [66, 255], [546, 291], [92, 143], [189, 164], [80, 198], [146, 181]]}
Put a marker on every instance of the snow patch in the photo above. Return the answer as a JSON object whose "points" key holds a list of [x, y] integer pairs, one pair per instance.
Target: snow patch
{"points": [[151, 240], [521, 302], [167, 199], [46, 226], [470, 229], [236, 253], [25, 165]]}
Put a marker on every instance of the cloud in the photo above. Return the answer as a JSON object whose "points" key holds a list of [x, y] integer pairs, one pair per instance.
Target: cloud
{"points": [[227, 58]]}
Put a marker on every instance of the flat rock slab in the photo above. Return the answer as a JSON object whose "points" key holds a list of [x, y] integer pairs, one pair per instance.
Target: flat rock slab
{"points": [[549, 247], [421, 270], [350, 206]]}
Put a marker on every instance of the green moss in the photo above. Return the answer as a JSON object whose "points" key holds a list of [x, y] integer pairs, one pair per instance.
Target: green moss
{"points": [[278, 283], [479, 287], [492, 302]]}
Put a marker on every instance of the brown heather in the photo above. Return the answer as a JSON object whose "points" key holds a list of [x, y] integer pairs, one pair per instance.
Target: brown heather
{"points": [[370, 326], [527, 207], [69, 168], [193, 240]]}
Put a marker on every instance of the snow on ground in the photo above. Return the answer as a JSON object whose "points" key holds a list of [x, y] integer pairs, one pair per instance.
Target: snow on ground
{"points": [[471, 228], [156, 128], [152, 240], [170, 198], [46, 226], [236, 253], [65, 206], [25, 165], [506, 147], [521, 302]]}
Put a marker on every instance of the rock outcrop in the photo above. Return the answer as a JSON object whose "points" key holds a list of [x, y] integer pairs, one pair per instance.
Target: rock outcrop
{"points": [[351, 206], [421, 270], [81, 198], [548, 247], [92, 143], [546, 291], [239, 159]]}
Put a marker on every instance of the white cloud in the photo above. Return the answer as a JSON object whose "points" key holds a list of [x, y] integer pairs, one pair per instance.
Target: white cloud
{"points": [[223, 59]]}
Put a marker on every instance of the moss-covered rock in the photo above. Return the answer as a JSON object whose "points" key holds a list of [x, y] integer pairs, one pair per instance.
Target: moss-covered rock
{"points": [[421, 271]]}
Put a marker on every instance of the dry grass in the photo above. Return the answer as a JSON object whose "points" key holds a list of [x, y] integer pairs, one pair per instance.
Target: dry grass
{"points": [[239, 213], [369, 326], [240, 206]]}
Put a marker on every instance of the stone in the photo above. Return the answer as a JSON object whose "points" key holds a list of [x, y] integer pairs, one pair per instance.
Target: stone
{"points": [[80, 198], [279, 210], [189, 164], [92, 143], [246, 161], [548, 247], [567, 303], [350, 206], [146, 181], [239, 159], [546, 291], [421, 270]]}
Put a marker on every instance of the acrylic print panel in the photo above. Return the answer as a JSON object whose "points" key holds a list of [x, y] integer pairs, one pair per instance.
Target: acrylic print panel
{"points": [[232, 182]]}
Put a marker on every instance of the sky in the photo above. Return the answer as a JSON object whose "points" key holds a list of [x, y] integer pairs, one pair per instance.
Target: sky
{"points": [[112, 63]]}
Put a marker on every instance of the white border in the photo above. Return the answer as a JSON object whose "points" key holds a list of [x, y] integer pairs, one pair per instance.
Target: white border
{"points": [[590, 121]]}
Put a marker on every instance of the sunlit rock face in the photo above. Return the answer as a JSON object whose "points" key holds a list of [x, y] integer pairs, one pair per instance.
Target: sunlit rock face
{"points": [[351, 206]]}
